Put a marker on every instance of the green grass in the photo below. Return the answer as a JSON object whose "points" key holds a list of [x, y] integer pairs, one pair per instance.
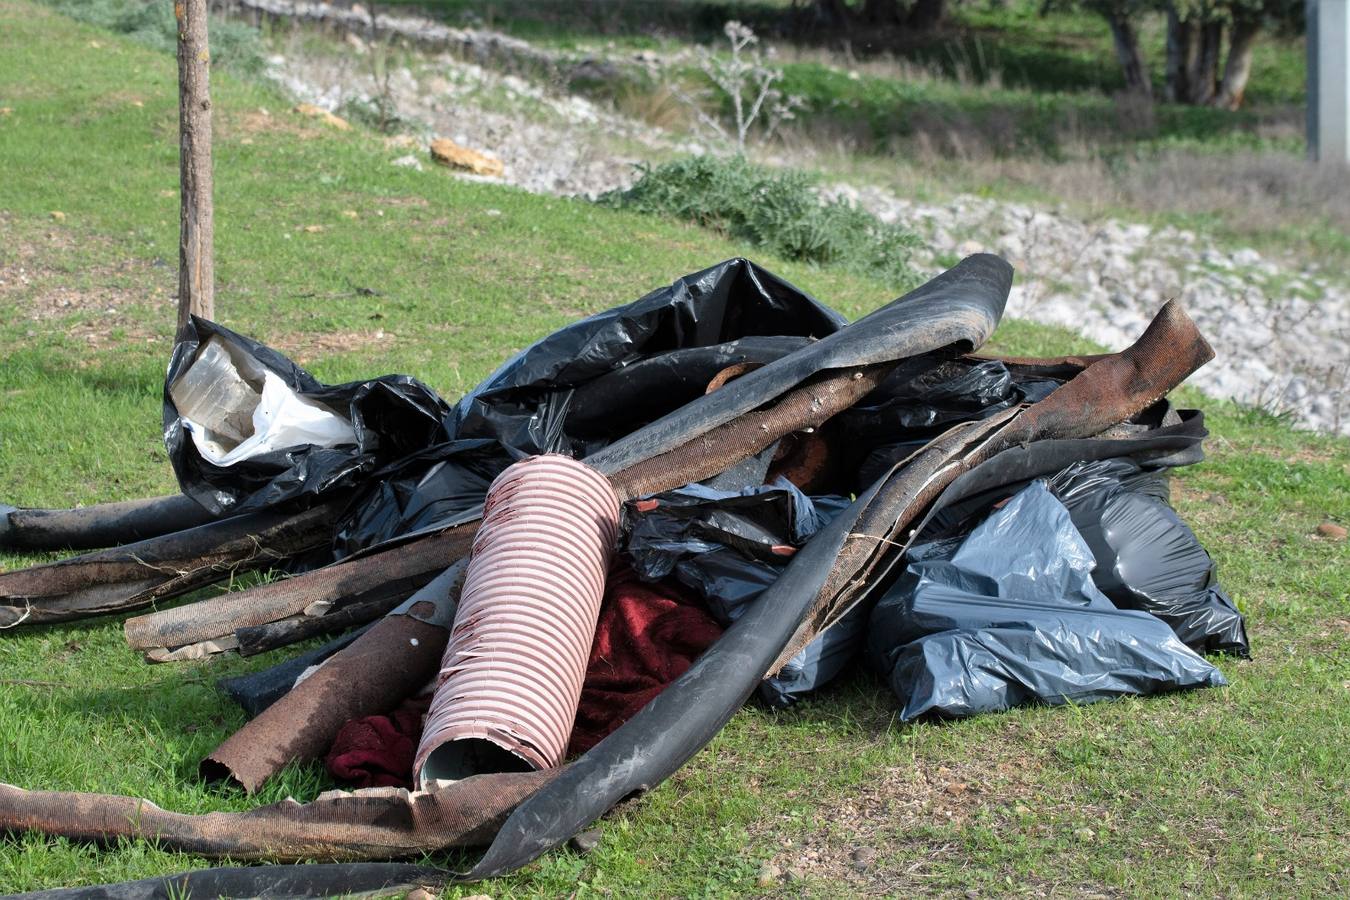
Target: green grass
{"points": [[1011, 78], [1235, 791]]}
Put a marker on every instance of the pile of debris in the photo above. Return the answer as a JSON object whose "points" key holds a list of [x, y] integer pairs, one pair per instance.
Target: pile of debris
{"points": [[552, 593]]}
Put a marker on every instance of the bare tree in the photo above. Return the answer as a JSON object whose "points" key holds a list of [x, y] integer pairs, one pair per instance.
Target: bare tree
{"points": [[196, 235]]}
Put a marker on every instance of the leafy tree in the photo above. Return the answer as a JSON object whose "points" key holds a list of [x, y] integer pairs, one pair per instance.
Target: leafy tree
{"points": [[1209, 43], [1196, 69]]}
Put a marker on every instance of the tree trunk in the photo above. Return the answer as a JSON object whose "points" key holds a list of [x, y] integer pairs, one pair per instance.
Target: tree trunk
{"points": [[880, 12], [196, 261], [1130, 56], [1181, 56], [1239, 66], [1204, 75], [833, 12], [926, 14]]}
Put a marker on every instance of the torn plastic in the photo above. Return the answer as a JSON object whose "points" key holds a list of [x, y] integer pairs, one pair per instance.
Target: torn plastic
{"points": [[1147, 557], [922, 398], [419, 491], [528, 402], [298, 440], [1012, 617], [236, 410], [731, 545]]}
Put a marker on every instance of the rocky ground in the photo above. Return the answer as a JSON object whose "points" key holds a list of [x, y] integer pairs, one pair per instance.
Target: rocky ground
{"points": [[1281, 335], [1280, 332]]}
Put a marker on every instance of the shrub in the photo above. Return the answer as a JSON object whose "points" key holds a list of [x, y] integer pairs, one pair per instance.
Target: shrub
{"points": [[777, 211], [234, 46]]}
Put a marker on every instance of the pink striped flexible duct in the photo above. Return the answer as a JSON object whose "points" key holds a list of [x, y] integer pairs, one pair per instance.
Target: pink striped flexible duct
{"points": [[510, 680]]}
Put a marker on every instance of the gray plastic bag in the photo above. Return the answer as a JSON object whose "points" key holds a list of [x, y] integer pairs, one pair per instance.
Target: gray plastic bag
{"points": [[1012, 616]]}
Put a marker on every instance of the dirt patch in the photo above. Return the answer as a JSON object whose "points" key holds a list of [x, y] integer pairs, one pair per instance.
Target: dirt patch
{"points": [[253, 122], [108, 301], [304, 348], [856, 840], [403, 201]]}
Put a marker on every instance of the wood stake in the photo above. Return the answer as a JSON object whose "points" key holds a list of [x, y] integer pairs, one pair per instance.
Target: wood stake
{"points": [[196, 262]]}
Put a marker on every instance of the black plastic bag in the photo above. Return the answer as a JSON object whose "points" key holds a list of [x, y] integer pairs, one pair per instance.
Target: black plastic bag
{"points": [[729, 547], [533, 402], [418, 491], [923, 398], [579, 388], [1147, 557], [388, 418], [1013, 616]]}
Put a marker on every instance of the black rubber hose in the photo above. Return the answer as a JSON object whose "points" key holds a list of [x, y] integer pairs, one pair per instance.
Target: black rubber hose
{"points": [[97, 526]]}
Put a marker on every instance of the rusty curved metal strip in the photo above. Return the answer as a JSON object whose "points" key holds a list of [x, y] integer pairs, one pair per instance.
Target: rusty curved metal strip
{"points": [[957, 309], [138, 574], [379, 823]]}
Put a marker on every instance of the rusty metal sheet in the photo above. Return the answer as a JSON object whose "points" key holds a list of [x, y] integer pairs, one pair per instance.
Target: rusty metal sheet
{"points": [[138, 574], [393, 660], [375, 823]]}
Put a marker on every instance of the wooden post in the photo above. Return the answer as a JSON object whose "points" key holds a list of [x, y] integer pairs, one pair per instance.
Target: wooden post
{"points": [[196, 260], [1329, 81]]}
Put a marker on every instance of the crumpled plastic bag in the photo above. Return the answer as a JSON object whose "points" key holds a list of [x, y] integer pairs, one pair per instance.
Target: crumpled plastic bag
{"points": [[731, 545], [1011, 615], [922, 398], [1147, 557], [386, 418]]}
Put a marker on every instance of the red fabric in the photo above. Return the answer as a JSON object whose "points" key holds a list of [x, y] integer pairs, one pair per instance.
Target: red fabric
{"points": [[377, 751], [646, 637]]}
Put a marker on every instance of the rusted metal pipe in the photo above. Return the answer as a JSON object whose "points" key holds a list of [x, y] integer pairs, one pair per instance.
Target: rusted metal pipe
{"points": [[379, 823], [389, 575], [138, 574], [384, 663]]}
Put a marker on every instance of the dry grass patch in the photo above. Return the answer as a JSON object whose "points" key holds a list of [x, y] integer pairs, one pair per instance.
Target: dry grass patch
{"points": [[305, 347]]}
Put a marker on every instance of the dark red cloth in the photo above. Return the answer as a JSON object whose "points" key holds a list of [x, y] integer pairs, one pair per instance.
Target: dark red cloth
{"points": [[377, 751], [646, 637]]}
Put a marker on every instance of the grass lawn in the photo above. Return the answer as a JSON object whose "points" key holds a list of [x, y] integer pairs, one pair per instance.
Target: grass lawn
{"points": [[358, 268]]}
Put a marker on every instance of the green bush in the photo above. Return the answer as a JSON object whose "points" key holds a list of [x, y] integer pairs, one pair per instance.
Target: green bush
{"points": [[777, 211], [234, 46]]}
